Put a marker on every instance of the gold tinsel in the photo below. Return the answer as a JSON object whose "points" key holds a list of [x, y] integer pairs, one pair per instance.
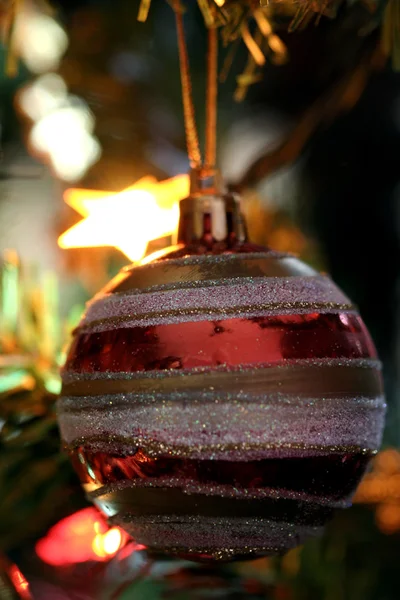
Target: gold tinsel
{"points": [[391, 32], [8, 14], [253, 22], [233, 17]]}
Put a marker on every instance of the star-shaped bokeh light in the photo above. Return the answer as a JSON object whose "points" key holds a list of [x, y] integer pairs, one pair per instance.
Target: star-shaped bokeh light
{"points": [[127, 220]]}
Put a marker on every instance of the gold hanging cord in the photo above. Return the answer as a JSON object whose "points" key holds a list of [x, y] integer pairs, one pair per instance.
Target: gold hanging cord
{"points": [[192, 138], [210, 156]]}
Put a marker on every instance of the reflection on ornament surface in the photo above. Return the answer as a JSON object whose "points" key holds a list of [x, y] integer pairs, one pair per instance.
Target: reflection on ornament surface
{"points": [[220, 404]]}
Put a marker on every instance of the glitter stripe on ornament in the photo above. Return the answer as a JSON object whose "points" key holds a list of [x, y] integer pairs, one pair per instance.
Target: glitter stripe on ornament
{"points": [[189, 285], [220, 537], [269, 292], [199, 429], [302, 377], [107, 402], [204, 313], [115, 445], [277, 289]]}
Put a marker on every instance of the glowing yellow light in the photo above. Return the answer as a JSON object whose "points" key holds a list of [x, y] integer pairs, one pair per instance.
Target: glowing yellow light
{"points": [[39, 40], [81, 537], [276, 44], [219, 2], [112, 541], [107, 544], [128, 220], [46, 94], [63, 126], [388, 518], [382, 487], [65, 134]]}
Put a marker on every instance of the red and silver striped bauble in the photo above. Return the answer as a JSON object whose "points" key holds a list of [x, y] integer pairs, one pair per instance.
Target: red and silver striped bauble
{"points": [[221, 401]]}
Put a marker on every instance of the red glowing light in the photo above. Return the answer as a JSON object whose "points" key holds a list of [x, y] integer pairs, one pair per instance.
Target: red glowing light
{"points": [[81, 537]]}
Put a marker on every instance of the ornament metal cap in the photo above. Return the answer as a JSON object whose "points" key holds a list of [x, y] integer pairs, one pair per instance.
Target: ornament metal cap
{"points": [[210, 214]]}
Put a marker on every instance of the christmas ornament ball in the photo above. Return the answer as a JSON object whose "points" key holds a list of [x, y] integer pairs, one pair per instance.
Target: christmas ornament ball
{"points": [[221, 401]]}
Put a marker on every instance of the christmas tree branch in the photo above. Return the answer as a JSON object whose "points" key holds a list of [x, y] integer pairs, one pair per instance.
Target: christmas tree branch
{"points": [[341, 97]]}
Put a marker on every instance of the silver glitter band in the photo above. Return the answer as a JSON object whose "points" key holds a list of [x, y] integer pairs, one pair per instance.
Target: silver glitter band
{"points": [[223, 537], [249, 297], [206, 429]]}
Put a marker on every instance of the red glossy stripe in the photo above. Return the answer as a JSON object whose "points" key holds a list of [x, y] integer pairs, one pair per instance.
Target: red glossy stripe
{"points": [[232, 342], [333, 475]]}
